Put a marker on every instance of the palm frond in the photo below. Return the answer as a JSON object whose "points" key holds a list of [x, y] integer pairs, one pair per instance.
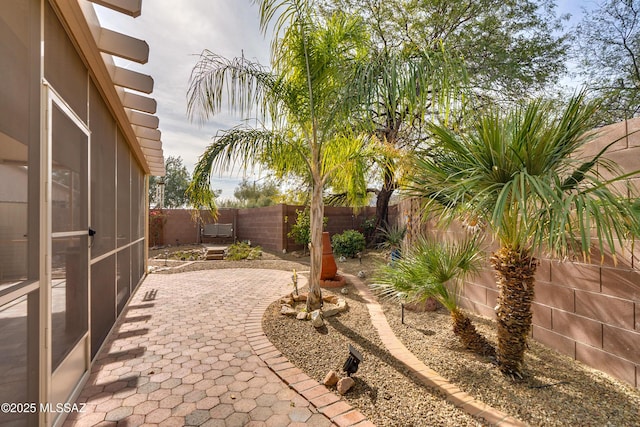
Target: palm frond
{"points": [[522, 174], [429, 269], [246, 85], [238, 145]]}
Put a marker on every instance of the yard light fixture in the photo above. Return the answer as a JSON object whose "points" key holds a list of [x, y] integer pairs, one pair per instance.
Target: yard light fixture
{"points": [[354, 359]]}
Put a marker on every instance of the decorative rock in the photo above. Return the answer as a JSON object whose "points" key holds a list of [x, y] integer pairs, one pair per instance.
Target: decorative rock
{"points": [[298, 298], [361, 274], [301, 316], [339, 307], [330, 299], [344, 291], [344, 384], [287, 310], [430, 304], [331, 379], [286, 300], [316, 319]]}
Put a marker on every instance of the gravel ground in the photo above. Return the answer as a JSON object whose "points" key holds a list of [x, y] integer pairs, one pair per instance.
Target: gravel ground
{"points": [[557, 392]]}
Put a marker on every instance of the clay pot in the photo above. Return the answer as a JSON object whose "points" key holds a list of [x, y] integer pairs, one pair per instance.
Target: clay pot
{"points": [[329, 267]]}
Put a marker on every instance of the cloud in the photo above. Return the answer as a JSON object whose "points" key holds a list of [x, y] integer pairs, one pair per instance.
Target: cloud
{"points": [[177, 32]]}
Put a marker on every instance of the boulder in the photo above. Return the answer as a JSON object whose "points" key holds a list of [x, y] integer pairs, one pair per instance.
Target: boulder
{"points": [[333, 309], [345, 384], [298, 298], [286, 300], [331, 379], [316, 319], [287, 310], [330, 299]]}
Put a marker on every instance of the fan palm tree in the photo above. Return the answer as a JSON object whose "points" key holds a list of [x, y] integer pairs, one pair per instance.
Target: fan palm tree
{"points": [[434, 269], [523, 176], [301, 106]]}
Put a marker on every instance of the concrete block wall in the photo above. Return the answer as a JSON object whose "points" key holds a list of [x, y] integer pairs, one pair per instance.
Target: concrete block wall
{"points": [[180, 228], [589, 312], [262, 226], [267, 227]]}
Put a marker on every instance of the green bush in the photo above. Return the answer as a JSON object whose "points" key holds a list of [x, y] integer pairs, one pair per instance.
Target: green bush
{"points": [[348, 244], [242, 250], [301, 230]]}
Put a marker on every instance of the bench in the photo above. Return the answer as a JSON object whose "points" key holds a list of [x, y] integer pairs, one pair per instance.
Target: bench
{"points": [[217, 230]]}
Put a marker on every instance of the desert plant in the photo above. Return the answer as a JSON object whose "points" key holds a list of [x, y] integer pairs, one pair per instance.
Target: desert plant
{"points": [[392, 236], [348, 244], [243, 250], [301, 229], [436, 269], [525, 176]]}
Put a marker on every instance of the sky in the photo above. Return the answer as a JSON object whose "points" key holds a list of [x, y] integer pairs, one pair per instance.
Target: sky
{"points": [[177, 32]]}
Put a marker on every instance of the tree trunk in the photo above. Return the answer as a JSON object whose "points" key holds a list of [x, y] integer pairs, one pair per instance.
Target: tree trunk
{"points": [[314, 299], [384, 196], [515, 274], [469, 336]]}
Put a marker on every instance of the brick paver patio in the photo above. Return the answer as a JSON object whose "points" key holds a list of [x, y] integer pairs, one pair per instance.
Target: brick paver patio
{"points": [[190, 351], [180, 356]]}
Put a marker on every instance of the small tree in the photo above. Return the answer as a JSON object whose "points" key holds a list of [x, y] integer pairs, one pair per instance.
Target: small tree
{"points": [[301, 229], [175, 181], [523, 176], [434, 269]]}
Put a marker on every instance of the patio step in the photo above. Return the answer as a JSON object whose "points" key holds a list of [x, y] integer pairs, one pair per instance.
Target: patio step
{"points": [[215, 252]]}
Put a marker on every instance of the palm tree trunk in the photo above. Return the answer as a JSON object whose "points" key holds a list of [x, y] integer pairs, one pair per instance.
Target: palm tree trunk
{"points": [[314, 299], [515, 274], [470, 337]]}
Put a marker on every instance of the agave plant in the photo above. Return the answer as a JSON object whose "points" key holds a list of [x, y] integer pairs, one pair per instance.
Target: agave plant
{"points": [[437, 270]]}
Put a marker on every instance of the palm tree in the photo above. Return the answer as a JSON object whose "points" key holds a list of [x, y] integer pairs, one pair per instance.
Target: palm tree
{"points": [[523, 176], [399, 92], [434, 269], [301, 106]]}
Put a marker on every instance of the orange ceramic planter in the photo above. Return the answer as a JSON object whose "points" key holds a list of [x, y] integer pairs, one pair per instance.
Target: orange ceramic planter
{"points": [[329, 267]]}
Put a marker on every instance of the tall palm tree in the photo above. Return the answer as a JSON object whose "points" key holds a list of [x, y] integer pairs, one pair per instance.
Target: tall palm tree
{"points": [[301, 106], [399, 93], [435, 269], [523, 175]]}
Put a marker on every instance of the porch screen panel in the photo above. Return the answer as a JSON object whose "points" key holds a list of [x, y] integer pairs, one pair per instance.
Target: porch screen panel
{"points": [[69, 277], [63, 67], [68, 175], [123, 192], [103, 175], [15, 53], [137, 202], [123, 278], [13, 369], [103, 301], [137, 264]]}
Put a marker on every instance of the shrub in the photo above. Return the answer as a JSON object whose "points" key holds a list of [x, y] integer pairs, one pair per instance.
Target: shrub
{"points": [[243, 250], [301, 230], [348, 244]]}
